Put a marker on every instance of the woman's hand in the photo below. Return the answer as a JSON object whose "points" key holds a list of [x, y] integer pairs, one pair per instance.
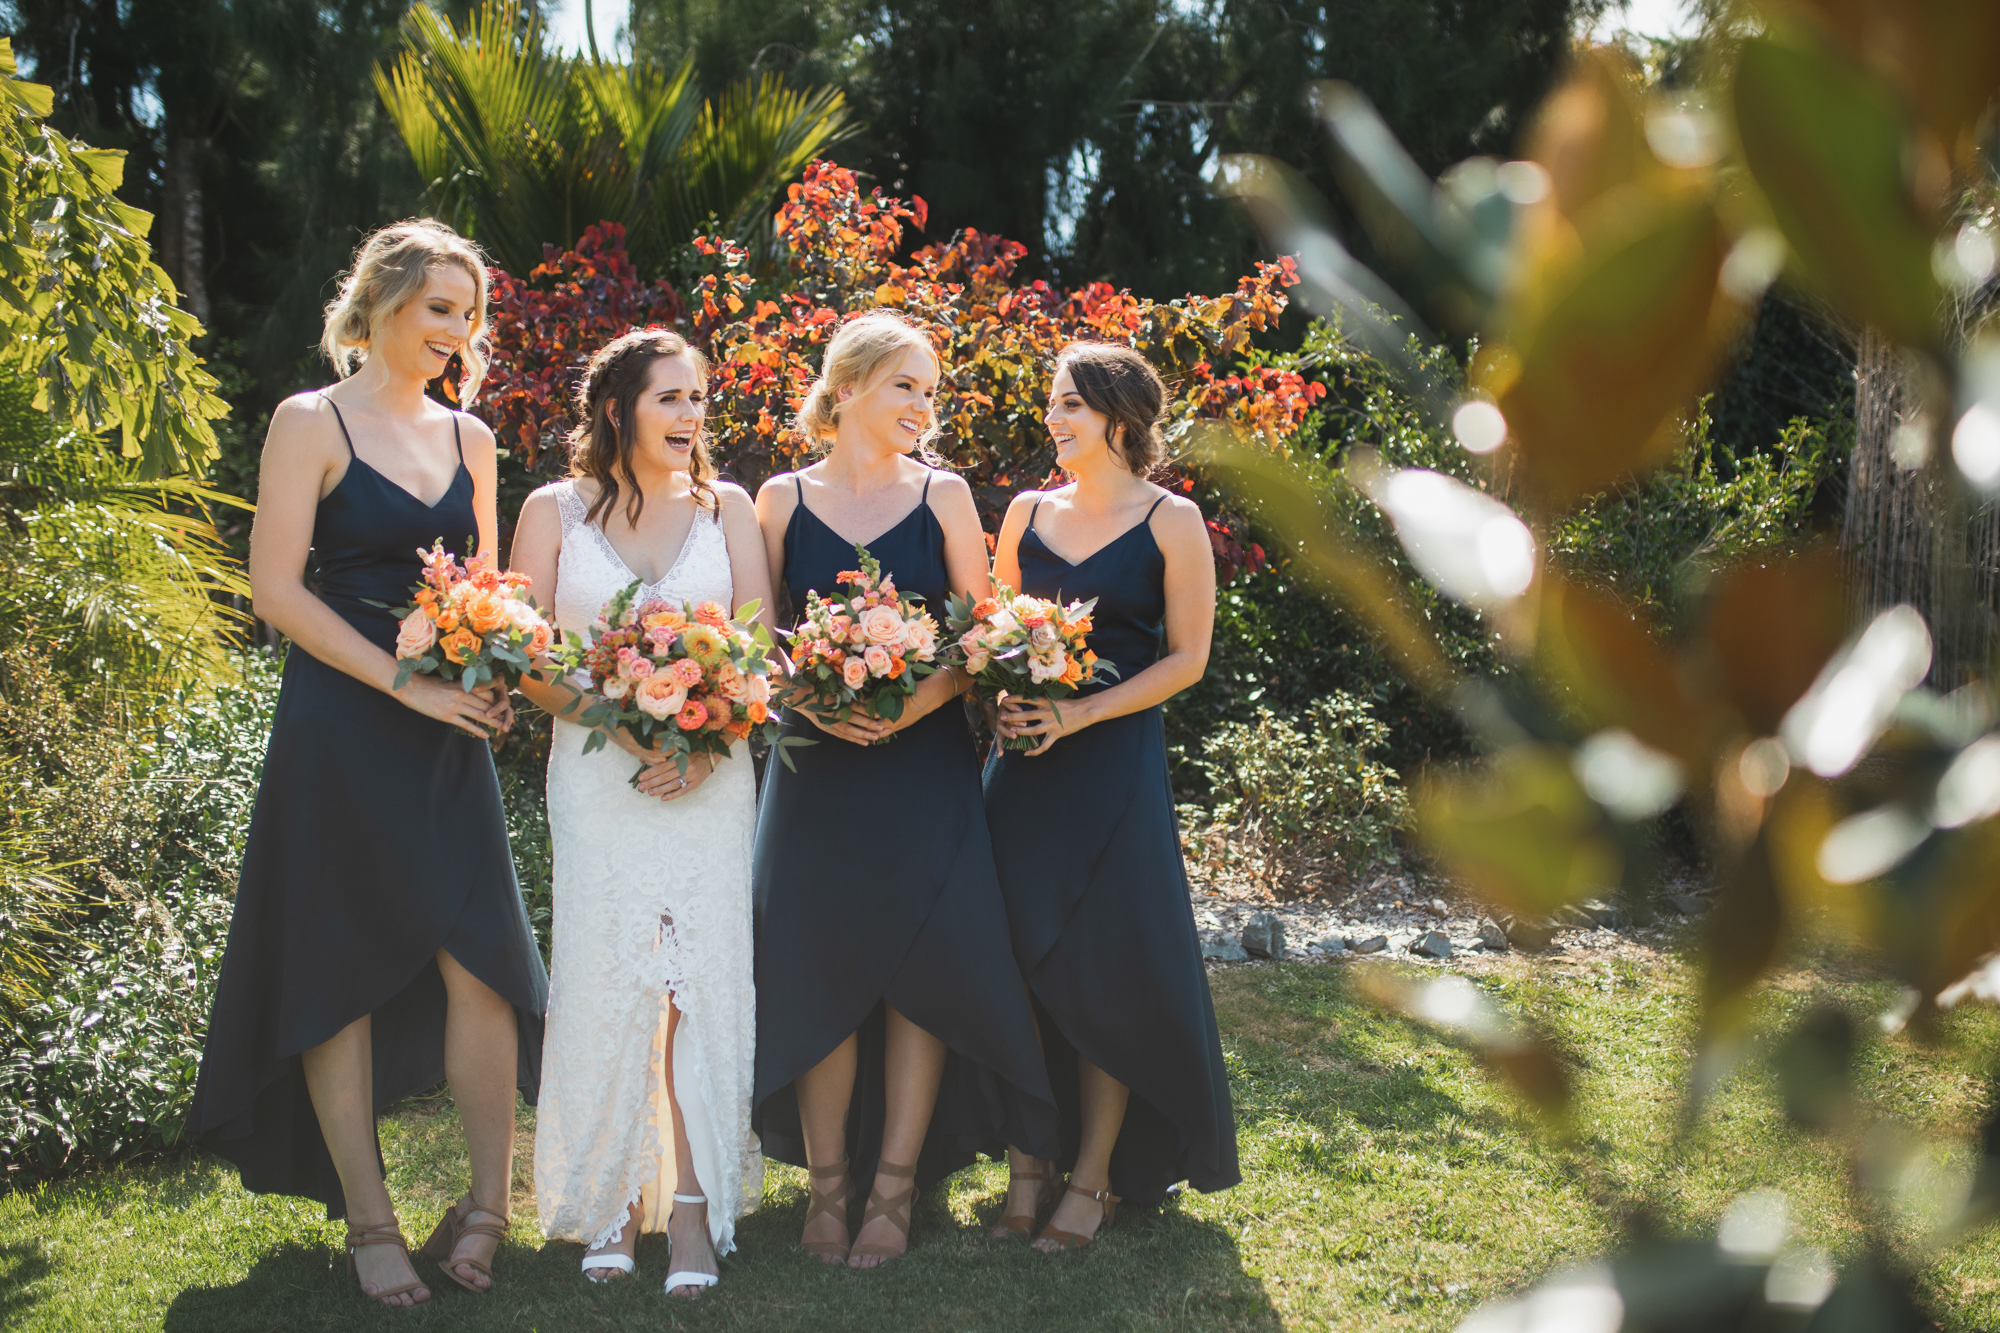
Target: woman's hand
{"points": [[862, 726], [647, 755], [1040, 717], [666, 781], [476, 713]]}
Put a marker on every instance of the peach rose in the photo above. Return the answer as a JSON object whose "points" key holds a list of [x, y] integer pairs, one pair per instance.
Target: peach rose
{"points": [[461, 646], [671, 621], [486, 611], [1042, 635], [920, 636], [877, 659], [838, 626], [881, 624], [415, 635], [659, 696], [758, 710], [853, 671], [731, 683], [540, 639], [708, 613], [757, 690], [616, 687], [692, 715]]}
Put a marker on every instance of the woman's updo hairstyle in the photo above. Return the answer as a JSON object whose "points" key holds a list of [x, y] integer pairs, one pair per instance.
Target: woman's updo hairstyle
{"points": [[1123, 385], [390, 270], [601, 450], [864, 350]]}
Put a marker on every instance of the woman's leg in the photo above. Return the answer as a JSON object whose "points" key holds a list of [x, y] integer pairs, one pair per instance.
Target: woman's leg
{"points": [[687, 1223], [824, 1092], [1024, 1196], [340, 1077], [481, 1048], [913, 1065], [1103, 1099], [626, 1241]]}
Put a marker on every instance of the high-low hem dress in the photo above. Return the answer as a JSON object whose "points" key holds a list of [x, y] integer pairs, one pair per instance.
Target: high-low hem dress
{"points": [[377, 840], [1097, 897], [873, 885]]}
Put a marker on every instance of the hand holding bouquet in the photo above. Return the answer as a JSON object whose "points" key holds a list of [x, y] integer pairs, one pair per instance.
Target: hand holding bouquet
{"points": [[1021, 647], [683, 681], [472, 623], [863, 649]]}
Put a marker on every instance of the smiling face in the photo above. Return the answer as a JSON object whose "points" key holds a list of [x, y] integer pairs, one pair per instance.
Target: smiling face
{"points": [[422, 336], [899, 407], [667, 413], [1081, 432]]}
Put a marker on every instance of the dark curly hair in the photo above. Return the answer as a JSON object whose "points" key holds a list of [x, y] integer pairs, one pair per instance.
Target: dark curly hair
{"points": [[603, 451], [1122, 384]]}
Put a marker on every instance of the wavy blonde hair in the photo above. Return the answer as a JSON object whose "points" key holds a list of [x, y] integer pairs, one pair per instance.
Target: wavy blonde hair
{"points": [[389, 271], [858, 357]]}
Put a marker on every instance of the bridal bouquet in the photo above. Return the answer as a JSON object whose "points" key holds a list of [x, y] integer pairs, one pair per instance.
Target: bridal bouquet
{"points": [[471, 623], [684, 680], [1021, 647], [864, 648]]}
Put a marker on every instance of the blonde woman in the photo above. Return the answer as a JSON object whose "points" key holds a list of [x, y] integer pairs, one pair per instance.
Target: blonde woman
{"points": [[379, 943], [893, 1037], [645, 1115]]}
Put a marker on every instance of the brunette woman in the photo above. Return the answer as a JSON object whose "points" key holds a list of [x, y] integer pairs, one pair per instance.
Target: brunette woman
{"points": [[645, 1115], [379, 943], [1083, 824], [893, 1037]]}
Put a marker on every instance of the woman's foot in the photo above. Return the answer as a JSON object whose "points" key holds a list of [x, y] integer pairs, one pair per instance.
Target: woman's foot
{"points": [[475, 1245], [1078, 1215], [1031, 1182], [381, 1268], [885, 1226], [825, 1234], [692, 1249], [623, 1245]]}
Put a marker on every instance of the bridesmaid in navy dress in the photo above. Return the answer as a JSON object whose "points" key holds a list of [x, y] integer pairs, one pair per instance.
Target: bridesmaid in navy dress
{"points": [[1083, 824], [378, 942], [894, 1041]]}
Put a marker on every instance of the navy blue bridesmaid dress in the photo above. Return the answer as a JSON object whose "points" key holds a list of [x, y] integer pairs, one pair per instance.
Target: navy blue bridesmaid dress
{"points": [[377, 839], [873, 884], [1097, 896]]}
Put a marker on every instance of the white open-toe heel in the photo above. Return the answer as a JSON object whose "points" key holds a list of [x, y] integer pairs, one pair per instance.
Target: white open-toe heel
{"points": [[687, 1277], [620, 1263]]}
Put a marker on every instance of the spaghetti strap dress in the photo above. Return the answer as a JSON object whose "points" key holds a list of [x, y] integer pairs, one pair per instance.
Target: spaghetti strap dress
{"points": [[1089, 856], [872, 883], [376, 840]]}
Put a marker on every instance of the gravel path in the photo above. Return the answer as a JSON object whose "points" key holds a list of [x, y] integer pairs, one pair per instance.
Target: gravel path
{"points": [[1404, 911]]}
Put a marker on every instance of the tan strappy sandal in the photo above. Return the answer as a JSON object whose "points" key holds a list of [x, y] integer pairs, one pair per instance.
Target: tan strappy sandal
{"points": [[1076, 1240], [454, 1227], [1046, 1193], [895, 1207], [386, 1234], [823, 1201]]}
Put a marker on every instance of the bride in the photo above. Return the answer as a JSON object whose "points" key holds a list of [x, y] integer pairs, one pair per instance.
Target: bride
{"points": [[644, 1122]]}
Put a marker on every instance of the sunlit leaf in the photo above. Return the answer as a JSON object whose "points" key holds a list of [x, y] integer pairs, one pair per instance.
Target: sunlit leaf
{"points": [[1616, 671], [1829, 147], [1524, 1058], [1523, 832], [1772, 625]]}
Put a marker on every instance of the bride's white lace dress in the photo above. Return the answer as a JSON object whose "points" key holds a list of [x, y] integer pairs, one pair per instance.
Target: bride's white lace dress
{"points": [[652, 899]]}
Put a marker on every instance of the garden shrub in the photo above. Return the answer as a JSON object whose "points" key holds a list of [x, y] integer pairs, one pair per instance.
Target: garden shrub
{"points": [[102, 1056], [1299, 805]]}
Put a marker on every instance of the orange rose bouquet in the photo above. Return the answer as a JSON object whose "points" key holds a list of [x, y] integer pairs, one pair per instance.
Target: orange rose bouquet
{"points": [[864, 648], [685, 680], [471, 623], [1021, 647]]}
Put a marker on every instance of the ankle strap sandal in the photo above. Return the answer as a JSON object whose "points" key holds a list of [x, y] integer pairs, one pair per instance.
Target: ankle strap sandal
{"points": [[454, 1227], [1076, 1240], [834, 1204]]}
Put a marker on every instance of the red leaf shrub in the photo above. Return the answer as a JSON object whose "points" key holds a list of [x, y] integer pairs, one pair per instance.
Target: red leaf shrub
{"points": [[997, 340]]}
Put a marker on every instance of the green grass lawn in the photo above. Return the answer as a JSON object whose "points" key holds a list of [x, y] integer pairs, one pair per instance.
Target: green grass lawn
{"points": [[1388, 1185]]}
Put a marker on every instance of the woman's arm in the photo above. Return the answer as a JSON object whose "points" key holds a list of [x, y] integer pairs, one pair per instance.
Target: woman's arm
{"points": [[303, 458], [749, 557], [1182, 534], [538, 554], [482, 460], [1007, 549], [776, 499]]}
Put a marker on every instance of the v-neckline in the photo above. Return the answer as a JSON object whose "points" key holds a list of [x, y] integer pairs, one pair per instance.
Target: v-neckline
{"points": [[393, 484], [687, 543], [920, 506], [1145, 522]]}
